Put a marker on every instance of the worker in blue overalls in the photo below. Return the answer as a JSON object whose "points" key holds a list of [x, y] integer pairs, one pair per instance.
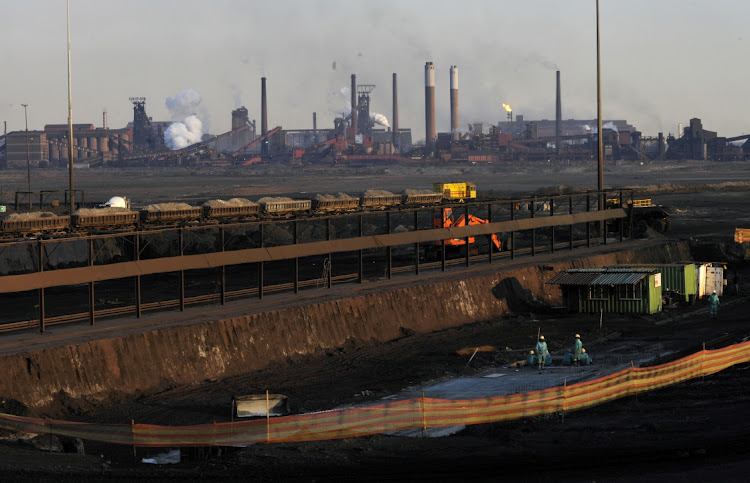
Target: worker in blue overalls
{"points": [[713, 301]]}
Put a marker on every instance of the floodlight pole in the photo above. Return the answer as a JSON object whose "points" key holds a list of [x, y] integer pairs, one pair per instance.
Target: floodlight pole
{"points": [[600, 147], [70, 125]]}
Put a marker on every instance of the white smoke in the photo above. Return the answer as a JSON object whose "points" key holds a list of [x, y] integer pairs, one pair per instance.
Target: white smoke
{"points": [[182, 134], [594, 130], [183, 104], [359, 139], [379, 119], [610, 125], [339, 101]]}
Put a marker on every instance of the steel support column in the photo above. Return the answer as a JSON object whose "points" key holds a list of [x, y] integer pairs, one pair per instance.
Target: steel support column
{"points": [[260, 265], [330, 255], [513, 233], [552, 213], [41, 290], [442, 242], [181, 240], [389, 250], [622, 223], [468, 245], [137, 246], [361, 263], [223, 270], [603, 224], [588, 224], [92, 299], [533, 230], [489, 237], [570, 209], [416, 245], [296, 259]]}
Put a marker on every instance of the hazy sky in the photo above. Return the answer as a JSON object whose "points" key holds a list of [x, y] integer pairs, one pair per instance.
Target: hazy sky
{"points": [[663, 62]]}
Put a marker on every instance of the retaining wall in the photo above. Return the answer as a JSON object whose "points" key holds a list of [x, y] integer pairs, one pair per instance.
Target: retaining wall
{"points": [[190, 354]]}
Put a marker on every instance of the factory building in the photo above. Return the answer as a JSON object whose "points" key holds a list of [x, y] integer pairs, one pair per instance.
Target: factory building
{"points": [[364, 136], [15, 143]]}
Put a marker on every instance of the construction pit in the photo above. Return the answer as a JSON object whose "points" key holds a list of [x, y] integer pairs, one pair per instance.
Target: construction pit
{"points": [[349, 346]]}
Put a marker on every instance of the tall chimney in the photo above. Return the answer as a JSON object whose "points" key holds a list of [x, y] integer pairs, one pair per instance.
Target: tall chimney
{"points": [[104, 120], [429, 108], [395, 116], [558, 110], [263, 107], [454, 103], [354, 106]]}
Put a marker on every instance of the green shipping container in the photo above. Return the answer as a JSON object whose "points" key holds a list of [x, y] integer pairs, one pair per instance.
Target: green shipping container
{"points": [[676, 278]]}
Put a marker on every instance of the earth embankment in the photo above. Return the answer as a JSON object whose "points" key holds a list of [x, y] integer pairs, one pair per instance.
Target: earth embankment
{"points": [[190, 353]]}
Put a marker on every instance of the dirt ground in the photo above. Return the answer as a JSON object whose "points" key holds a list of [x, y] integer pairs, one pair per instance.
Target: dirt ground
{"points": [[691, 431]]}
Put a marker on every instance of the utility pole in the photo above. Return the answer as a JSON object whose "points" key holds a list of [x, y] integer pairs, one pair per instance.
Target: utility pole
{"points": [[70, 125], [600, 147], [28, 162]]}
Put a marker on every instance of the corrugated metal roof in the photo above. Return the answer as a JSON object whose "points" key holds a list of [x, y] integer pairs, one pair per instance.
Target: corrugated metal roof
{"points": [[600, 276], [576, 278]]}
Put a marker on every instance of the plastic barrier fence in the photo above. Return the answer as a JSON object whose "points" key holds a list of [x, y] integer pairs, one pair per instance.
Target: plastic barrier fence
{"points": [[396, 415]]}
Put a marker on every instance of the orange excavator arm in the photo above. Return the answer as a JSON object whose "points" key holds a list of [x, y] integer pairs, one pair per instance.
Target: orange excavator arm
{"points": [[449, 221]]}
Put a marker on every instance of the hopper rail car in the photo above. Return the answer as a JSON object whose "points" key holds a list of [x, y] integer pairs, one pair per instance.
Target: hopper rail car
{"points": [[93, 220]]}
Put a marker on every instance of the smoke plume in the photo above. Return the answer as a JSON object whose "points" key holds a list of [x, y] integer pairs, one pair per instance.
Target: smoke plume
{"points": [[183, 104], [182, 134], [379, 119], [339, 101]]}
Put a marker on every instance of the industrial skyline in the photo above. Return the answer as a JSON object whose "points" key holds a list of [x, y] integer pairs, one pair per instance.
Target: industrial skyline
{"points": [[662, 63]]}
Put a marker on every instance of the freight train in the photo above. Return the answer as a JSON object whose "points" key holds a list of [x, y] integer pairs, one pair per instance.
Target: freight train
{"points": [[116, 216]]}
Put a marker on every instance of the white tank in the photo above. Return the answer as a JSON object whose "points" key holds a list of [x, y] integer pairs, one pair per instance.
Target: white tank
{"points": [[117, 202]]}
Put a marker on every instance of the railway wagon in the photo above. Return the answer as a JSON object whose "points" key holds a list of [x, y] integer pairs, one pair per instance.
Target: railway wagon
{"points": [[231, 211], [380, 202], [105, 220], [423, 198], [275, 208], [35, 226], [335, 204], [167, 216]]}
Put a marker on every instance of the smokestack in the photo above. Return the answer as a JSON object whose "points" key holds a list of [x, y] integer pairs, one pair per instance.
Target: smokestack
{"points": [[429, 107], [558, 110], [104, 120], [263, 107], [354, 106], [315, 122], [395, 115], [454, 103]]}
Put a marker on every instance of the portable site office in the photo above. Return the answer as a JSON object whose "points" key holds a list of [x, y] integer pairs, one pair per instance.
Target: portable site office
{"points": [[611, 290], [677, 279]]}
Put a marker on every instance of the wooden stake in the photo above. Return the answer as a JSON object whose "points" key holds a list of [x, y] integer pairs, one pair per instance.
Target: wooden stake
{"points": [[132, 437], [472, 357]]}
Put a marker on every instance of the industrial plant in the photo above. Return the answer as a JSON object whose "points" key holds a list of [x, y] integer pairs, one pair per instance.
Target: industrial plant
{"points": [[360, 136]]}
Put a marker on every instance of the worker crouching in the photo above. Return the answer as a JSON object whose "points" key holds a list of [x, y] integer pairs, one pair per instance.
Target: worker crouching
{"points": [[585, 360]]}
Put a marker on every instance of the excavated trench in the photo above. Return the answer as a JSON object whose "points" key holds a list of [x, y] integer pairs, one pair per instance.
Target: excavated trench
{"points": [[187, 354]]}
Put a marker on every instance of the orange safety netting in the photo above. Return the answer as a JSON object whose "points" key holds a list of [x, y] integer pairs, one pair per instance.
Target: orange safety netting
{"points": [[418, 413]]}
